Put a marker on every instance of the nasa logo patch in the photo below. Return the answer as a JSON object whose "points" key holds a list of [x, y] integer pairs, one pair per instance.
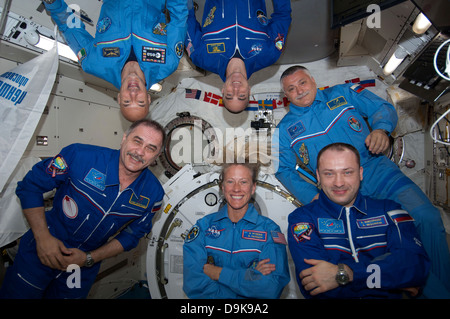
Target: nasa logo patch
{"points": [[213, 232], [256, 49]]}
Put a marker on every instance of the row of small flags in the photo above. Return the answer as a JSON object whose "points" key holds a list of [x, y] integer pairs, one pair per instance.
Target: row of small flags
{"points": [[256, 105]]}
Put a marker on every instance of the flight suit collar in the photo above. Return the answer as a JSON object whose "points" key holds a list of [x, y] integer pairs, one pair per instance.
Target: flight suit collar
{"points": [[337, 210], [112, 174], [250, 216]]}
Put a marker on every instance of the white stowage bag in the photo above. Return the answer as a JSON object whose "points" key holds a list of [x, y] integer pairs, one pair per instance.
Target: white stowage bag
{"points": [[24, 92]]}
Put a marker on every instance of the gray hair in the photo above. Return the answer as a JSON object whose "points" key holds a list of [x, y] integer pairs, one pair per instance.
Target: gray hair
{"points": [[291, 70], [149, 123]]}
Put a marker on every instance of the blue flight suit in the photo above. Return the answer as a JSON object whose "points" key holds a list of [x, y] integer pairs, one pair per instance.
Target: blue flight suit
{"points": [[372, 232], [337, 115], [123, 25], [237, 247], [239, 26], [88, 208]]}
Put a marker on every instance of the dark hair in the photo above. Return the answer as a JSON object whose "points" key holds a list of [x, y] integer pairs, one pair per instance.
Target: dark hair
{"points": [[340, 147], [149, 123]]}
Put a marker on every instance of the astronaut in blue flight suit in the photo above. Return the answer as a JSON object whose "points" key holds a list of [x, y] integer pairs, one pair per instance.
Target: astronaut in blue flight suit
{"points": [[236, 252], [100, 193], [134, 46], [347, 245], [236, 39], [320, 117]]}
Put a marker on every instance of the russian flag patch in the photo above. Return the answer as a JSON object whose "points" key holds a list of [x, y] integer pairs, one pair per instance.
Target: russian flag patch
{"points": [[400, 215], [357, 88]]}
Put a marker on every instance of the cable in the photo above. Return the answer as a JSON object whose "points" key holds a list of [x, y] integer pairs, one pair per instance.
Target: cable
{"points": [[447, 63], [434, 125], [447, 70]]}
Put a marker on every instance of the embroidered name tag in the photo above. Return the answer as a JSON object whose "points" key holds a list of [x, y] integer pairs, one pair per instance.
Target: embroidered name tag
{"points": [[96, 179], [142, 201], [331, 226], [254, 235], [336, 103], [111, 52], [372, 222], [215, 47]]}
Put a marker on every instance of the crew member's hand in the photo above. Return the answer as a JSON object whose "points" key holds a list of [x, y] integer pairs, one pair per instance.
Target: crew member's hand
{"points": [[321, 277], [212, 271], [51, 251], [377, 141], [264, 267], [76, 256]]}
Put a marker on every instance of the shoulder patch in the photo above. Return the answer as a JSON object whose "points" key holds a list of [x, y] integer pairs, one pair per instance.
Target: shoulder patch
{"points": [[103, 25], [399, 216], [357, 88], [193, 234], [57, 166], [302, 231], [81, 54], [278, 237], [279, 42], [179, 49]]}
